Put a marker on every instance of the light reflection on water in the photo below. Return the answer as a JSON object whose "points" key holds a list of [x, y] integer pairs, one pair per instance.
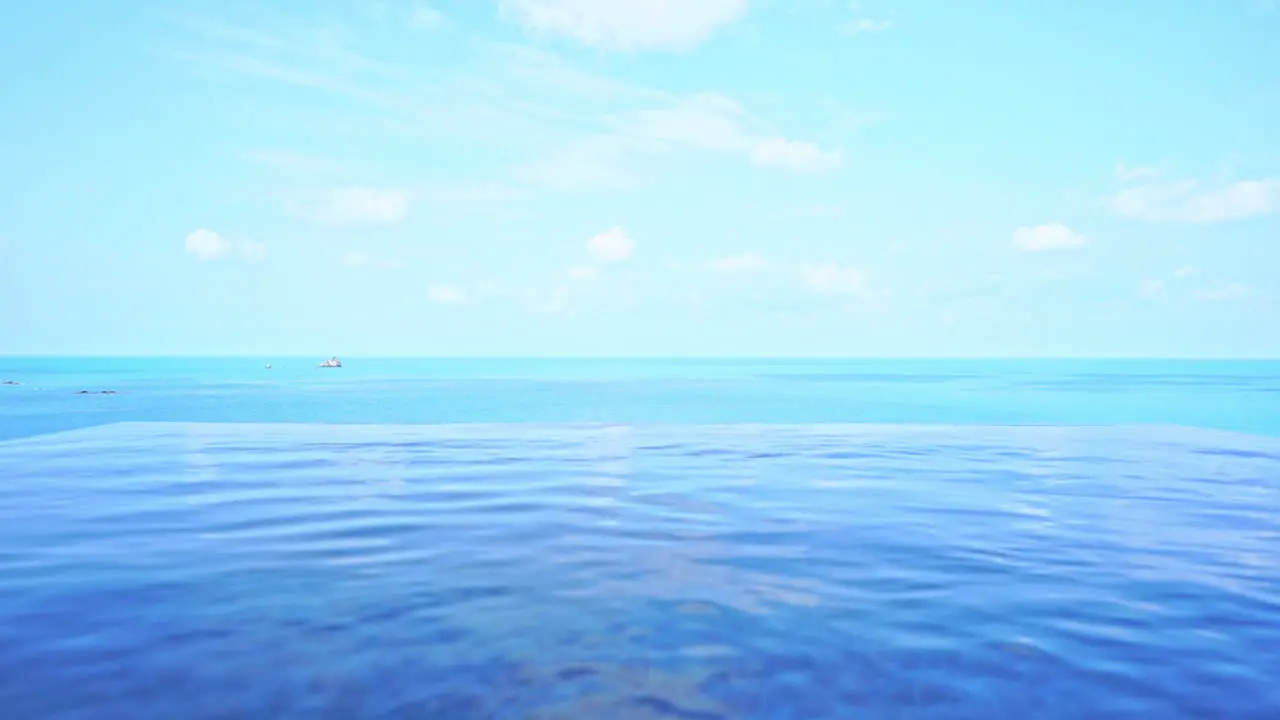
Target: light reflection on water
{"points": [[528, 571]]}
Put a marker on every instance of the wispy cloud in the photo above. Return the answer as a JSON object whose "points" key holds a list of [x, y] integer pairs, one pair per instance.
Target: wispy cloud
{"points": [[705, 123], [627, 25], [1148, 197], [745, 262], [831, 279], [1190, 282], [863, 23], [1223, 291], [290, 163], [359, 258], [1051, 236], [560, 125], [446, 294], [425, 17], [868, 25], [346, 206]]}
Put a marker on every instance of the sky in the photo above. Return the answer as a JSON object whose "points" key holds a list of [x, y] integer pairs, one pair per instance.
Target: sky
{"points": [[889, 178]]}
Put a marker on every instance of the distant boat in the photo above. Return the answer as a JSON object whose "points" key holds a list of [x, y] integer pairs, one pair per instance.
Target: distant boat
{"points": [[331, 362], [268, 366]]}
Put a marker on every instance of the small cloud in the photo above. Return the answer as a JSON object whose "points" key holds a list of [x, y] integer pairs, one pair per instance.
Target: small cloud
{"points": [[208, 245], [445, 294], [612, 245], [585, 272], [798, 155], [1188, 201], [353, 206], [1186, 272], [866, 25], [361, 259], [1051, 236], [746, 262], [835, 279]]}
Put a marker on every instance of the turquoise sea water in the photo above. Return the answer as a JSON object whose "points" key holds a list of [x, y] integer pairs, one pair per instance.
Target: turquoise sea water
{"points": [[1242, 396], [654, 539]]}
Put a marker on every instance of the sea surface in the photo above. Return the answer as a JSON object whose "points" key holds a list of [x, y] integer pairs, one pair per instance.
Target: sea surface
{"points": [[639, 539]]}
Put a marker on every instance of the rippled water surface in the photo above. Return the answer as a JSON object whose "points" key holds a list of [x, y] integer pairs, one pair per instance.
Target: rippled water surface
{"points": [[639, 571]]}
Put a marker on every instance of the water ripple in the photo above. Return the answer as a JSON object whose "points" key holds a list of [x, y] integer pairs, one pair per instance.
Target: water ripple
{"points": [[561, 571]]}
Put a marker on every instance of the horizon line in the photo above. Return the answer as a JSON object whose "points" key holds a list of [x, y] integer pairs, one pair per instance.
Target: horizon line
{"points": [[323, 356]]}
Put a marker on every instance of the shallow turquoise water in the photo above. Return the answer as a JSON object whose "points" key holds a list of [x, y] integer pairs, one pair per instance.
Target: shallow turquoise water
{"points": [[1243, 396], [636, 539]]}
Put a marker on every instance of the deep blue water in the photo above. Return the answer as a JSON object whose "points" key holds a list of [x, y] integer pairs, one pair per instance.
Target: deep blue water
{"points": [[615, 539]]}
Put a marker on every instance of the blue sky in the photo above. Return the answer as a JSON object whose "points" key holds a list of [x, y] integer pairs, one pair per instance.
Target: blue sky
{"points": [[640, 177]]}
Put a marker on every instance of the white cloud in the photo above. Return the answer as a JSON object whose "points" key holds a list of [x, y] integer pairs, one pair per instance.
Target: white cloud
{"points": [[1051, 236], [353, 206], [745, 262], [866, 25], [208, 245], [1189, 201], [704, 122], [835, 279], [585, 272], [445, 294], [612, 245], [794, 155], [627, 25], [286, 162], [361, 259]]}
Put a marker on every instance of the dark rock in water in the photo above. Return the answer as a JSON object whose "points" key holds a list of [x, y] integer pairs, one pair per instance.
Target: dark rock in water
{"points": [[98, 392], [10, 382]]}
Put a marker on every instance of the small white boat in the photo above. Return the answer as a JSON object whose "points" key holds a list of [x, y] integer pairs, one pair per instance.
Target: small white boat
{"points": [[331, 362]]}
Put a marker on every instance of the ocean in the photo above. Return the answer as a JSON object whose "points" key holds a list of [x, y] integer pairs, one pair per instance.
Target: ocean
{"points": [[639, 539]]}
